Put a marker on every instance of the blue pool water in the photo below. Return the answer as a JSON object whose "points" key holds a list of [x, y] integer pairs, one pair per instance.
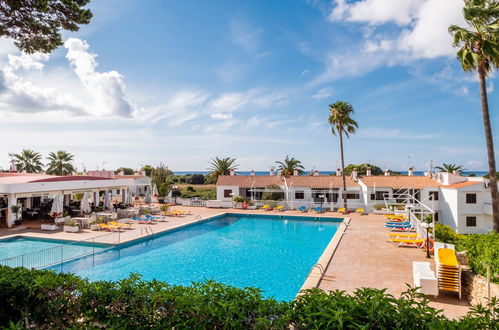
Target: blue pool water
{"points": [[32, 252], [270, 253]]}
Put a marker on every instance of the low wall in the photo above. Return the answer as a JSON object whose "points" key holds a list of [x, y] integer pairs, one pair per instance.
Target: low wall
{"points": [[474, 288]]}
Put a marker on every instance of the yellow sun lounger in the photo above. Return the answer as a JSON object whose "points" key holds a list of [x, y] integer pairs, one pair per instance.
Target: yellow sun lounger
{"points": [[408, 242], [103, 226], [266, 206], [122, 225], [360, 211], [341, 210], [394, 235], [447, 257], [279, 208]]}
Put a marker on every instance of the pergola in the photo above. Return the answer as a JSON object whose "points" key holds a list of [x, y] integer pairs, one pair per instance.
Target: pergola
{"points": [[14, 186]]}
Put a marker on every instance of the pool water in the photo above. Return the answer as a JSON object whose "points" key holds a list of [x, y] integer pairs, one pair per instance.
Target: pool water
{"points": [[33, 252], [269, 252]]}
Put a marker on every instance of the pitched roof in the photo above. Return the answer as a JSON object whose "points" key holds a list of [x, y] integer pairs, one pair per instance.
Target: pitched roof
{"points": [[320, 181], [462, 184], [248, 181], [399, 182]]}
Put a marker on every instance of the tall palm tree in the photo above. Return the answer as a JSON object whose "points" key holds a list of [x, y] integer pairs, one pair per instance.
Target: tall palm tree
{"points": [[289, 165], [28, 161], [60, 163], [342, 123], [221, 166], [480, 52], [450, 168]]}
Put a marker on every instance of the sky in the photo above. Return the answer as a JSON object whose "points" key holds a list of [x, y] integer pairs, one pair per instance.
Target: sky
{"points": [[180, 82]]}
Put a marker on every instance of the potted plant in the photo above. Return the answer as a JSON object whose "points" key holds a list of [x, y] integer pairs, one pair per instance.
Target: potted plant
{"points": [[238, 200], [15, 211], [164, 208], [94, 223], [71, 226]]}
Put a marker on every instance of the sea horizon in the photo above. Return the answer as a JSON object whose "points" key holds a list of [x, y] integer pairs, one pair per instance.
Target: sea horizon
{"points": [[261, 173]]}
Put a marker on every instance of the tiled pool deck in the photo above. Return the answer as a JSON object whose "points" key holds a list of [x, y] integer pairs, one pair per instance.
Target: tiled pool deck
{"points": [[363, 257]]}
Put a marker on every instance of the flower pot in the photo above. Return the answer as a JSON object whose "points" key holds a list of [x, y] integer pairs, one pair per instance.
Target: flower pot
{"points": [[94, 227], [48, 226], [252, 207], [71, 229]]}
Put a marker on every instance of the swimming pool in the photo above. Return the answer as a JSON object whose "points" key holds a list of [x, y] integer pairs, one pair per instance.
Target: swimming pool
{"points": [[32, 252], [272, 253]]}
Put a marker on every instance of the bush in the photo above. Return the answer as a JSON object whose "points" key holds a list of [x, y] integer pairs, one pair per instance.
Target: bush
{"points": [[479, 249], [273, 195], [378, 207], [45, 299]]}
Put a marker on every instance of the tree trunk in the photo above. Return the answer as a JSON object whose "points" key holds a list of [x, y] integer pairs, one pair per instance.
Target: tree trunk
{"points": [[343, 172], [490, 150]]}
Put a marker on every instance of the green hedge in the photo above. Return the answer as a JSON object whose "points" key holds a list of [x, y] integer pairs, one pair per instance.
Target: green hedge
{"points": [[44, 299], [479, 248]]}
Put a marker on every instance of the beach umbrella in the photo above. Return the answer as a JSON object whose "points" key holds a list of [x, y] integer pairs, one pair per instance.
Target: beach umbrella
{"points": [[155, 193], [107, 201], [147, 199], [85, 204], [57, 206]]}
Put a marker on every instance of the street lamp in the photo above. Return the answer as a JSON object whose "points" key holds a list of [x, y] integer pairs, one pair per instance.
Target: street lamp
{"points": [[427, 226], [322, 200]]}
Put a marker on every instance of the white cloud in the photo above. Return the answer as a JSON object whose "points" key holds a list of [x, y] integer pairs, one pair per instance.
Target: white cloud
{"points": [[229, 102], [382, 133], [474, 164], [490, 87], [106, 88], [221, 116], [376, 11], [322, 93], [246, 36]]}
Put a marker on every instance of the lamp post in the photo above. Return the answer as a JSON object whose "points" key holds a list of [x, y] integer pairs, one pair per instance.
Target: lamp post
{"points": [[232, 199], [427, 226], [322, 200]]}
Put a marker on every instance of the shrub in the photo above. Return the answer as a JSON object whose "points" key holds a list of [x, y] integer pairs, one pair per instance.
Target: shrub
{"points": [[164, 208], [273, 195], [378, 207], [238, 199], [48, 300], [446, 234]]}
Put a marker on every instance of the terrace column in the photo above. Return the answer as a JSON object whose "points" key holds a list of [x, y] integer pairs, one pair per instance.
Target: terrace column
{"points": [[123, 196], [11, 200], [96, 199]]}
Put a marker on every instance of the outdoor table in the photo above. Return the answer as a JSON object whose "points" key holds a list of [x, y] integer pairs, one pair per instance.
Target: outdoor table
{"points": [[82, 222]]}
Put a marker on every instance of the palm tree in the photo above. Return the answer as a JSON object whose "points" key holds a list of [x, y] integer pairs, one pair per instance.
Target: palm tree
{"points": [[28, 161], [221, 166], [340, 119], [60, 163], [480, 52], [289, 165], [450, 168]]}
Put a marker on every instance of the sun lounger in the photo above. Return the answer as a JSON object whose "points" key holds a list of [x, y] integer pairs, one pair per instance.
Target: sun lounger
{"points": [[405, 227], [361, 211], [393, 235], [319, 209], [265, 207], [106, 227], [122, 225], [418, 242], [302, 209], [279, 208], [143, 220], [341, 210]]}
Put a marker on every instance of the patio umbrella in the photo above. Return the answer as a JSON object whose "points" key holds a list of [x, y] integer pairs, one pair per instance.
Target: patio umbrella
{"points": [[147, 199], [155, 193], [57, 204], [107, 201], [129, 197], [85, 204]]}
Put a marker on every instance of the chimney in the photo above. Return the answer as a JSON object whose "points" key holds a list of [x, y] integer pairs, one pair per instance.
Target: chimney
{"points": [[338, 172], [295, 172], [13, 167], [387, 172], [271, 171], [368, 171], [354, 174], [411, 171], [252, 173], [231, 172], [316, 173]]}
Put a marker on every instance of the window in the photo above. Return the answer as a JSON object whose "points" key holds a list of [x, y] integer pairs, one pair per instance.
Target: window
{"points": [[433, 195], [299, 195], [470, 198], [470, 221], [379, 195], [227, 193], [351, 195], [436, 216]]}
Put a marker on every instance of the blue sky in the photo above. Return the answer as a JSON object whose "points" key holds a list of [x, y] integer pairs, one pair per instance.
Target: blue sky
{"points": [[180, 82]]}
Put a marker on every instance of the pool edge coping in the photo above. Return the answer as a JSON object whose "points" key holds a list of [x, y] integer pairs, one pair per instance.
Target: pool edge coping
{"points": [[316, 274]]}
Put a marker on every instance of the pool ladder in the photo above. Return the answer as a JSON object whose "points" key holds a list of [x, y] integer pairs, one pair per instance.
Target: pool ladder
{"points": [[198, 218], [147, 230]]}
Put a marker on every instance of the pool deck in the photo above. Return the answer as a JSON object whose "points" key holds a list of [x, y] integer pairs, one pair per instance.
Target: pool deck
{"points": [[363, 257]]}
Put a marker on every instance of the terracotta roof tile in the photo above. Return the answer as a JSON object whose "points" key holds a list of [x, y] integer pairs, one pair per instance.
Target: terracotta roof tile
{"points": [[399, 182], [462, 184], [247, 181]]}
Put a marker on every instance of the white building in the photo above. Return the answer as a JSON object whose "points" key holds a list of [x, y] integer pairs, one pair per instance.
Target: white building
{"points": [[464, 203], [30, 188]]}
